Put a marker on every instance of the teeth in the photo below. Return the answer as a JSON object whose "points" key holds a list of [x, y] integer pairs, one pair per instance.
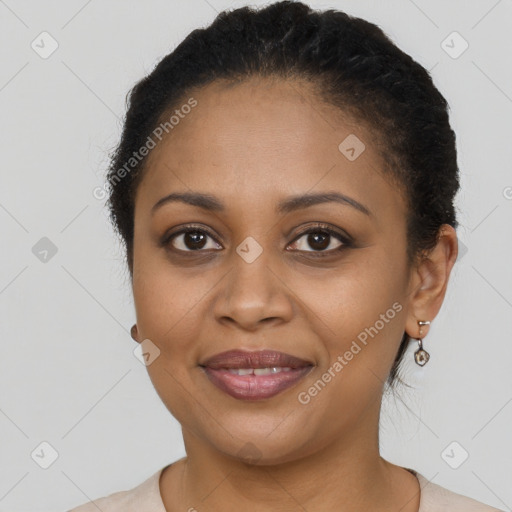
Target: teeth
{"points": [[241, 371], [266, 371], [257, 371]]}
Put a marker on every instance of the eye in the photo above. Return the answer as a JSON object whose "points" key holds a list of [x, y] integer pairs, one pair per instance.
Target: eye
{"points": [[320, 239], [190, 239]]}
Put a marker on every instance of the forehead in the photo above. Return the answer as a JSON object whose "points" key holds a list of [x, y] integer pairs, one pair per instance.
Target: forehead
{"points": [[263, 139]]}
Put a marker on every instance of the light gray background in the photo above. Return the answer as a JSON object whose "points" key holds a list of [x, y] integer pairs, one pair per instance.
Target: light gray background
{"points": [[68, 375]]}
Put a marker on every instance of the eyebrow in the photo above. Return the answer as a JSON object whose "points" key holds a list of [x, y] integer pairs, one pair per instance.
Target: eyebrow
{"points": [[292, 203]]}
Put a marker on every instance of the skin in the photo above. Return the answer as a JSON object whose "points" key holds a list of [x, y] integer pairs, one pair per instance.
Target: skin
{"points": [[252, 145]]}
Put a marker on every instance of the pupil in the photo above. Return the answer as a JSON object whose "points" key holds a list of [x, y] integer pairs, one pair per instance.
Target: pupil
{"points": [[318, 240], [197, 237]]}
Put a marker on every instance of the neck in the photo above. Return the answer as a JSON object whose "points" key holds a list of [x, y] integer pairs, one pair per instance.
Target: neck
{"points": [[346, 474]]}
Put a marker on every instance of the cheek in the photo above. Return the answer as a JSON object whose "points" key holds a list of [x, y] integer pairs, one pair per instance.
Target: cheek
{"points": [[359, 320], [361, 304], [157, 291], [165, 305], [169, 304]]}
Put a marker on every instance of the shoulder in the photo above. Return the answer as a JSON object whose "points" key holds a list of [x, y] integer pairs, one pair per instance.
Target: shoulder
{"points": [[146, 496], [435, 498]]}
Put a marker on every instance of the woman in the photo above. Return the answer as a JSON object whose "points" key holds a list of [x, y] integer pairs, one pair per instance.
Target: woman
{"points": [[284, 188]]}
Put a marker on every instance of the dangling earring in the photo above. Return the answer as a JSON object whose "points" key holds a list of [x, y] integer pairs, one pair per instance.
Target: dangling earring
{"points": [[421, 356], [133, 332]]}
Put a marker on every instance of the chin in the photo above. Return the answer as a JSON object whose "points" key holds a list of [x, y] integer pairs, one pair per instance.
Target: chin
{"points": [[262, 449]]}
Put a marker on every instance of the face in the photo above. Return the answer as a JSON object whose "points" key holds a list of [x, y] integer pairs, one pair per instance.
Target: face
{"points": [[324, 281]]}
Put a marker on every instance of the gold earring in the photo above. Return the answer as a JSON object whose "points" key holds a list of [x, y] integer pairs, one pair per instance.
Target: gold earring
{"points": [[421, 356], [133, 332]]}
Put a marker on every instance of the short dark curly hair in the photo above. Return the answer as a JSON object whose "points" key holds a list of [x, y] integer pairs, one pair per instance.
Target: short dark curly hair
{"points": [[351, 64]]}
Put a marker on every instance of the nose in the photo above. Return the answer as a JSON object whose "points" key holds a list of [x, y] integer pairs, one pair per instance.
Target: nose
{"points": [[253, 294]]}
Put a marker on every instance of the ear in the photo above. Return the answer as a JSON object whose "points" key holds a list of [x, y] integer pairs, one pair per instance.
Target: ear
{"points": [[429, 281]]}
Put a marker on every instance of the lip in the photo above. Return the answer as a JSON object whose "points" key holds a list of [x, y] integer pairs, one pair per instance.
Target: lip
{"points": [[256, 359], [255, 387]]}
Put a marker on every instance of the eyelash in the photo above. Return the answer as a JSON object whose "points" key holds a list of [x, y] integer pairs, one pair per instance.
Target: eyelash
{"points": [[318, 228]]}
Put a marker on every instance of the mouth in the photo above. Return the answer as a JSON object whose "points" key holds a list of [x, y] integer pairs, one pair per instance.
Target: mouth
{"points": [[255, 375]]}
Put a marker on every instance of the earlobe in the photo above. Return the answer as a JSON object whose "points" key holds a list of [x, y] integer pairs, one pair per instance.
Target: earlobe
{"points": [[134, 332], [431, 280]]}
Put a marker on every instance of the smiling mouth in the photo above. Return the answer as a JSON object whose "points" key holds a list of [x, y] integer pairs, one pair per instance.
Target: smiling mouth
{"points": [[255, 375]]}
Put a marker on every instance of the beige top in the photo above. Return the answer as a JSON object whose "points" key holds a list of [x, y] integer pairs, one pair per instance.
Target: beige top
{"points": [[146, 498]]}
